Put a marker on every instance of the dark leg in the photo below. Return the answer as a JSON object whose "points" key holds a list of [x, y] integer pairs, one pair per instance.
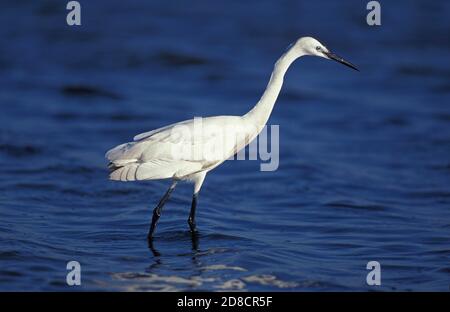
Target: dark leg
{"points": [[191, 219], [157, 211]]}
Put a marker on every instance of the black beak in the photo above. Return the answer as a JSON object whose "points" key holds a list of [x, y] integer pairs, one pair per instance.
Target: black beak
{"points": [[339, 59]]}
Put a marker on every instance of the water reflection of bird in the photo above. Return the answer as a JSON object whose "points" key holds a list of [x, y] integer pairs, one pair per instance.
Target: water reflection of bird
{"points": [[182, 151], [194, 242]]}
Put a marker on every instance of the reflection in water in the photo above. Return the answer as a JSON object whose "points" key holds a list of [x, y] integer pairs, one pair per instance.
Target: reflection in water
{"points": [[196, 264], [194, 239], [155, 252], [195, 274]]}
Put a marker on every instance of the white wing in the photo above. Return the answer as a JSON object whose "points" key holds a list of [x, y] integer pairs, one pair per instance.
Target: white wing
{"points": [[180, 149]]}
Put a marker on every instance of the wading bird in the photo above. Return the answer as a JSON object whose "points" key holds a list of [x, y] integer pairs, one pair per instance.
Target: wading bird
{"points": [[177, 151]]}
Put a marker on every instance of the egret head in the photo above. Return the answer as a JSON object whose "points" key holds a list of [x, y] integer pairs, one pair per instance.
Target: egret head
{"points": [[311, 46]]}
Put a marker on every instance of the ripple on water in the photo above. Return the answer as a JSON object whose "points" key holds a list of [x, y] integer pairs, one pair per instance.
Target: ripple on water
{"points": [[356, 205], [88, 91], [20, 150], [154, 282]]}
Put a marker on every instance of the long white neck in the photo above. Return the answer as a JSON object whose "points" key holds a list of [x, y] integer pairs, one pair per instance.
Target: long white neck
{"points": [[260, 113]]}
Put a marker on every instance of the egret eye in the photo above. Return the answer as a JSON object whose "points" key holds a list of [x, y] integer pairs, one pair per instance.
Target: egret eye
{"points": [[318, 48]]}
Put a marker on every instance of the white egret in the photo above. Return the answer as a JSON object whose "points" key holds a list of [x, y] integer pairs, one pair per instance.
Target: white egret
{"points": [[175, 151]]}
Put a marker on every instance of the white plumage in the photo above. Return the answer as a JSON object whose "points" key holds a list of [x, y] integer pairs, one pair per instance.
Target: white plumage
{"points": [[188, 150], [178, 150]]}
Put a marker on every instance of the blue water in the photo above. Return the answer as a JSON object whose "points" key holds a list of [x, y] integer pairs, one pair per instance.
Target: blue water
{"points": [[364, 169]]}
